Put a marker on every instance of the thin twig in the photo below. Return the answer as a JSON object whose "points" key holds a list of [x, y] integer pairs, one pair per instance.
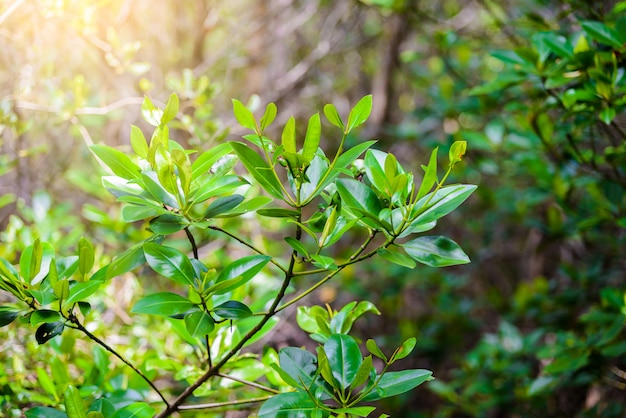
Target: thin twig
{"points": [[248, 383], [221, 404]]}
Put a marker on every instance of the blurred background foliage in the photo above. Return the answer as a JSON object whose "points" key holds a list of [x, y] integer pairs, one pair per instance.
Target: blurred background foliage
{"points": [[533, 327]]}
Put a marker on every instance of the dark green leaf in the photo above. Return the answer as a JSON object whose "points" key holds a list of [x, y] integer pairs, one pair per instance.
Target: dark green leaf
{"points": [[245, 268], [157, 190], [288, 405], [199, 323], [599, 32], [136, 410], [357, 195], [258, 168], [164, 303], [363, 373], [344, 358], [104, 406], [444, 201], [299, 364], [44, 412], [278, 213], [7, 315], [297, 245], [42, 316], [119, 163], [232, 310], [168, 223], [396, 256], [436, 251], [169, 262], [222, 205], [47, 331], [395, 383]]}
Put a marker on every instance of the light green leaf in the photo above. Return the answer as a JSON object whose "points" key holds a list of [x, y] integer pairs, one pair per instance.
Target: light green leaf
{"points": [[163, 303], [158, 191], [373, 348], [289, 136], [258, 168], [135, 410], [344, 358], [119, 163], [312, 138], [395, 383], [169, 262], [405, 349], [363, 373], [171, 110], [81, 291], [244, 116], [45, 381], [86, 256], [199, 323], [245, 268], [359, 113], [150, 112], [127, 261], [207, 159], [138, 142], [444, 201], [430, 175], [330, 111], [599, 32], [297, 245], [74, 405], [268, 116], [44, 412], [396, 256], [436, 251]]}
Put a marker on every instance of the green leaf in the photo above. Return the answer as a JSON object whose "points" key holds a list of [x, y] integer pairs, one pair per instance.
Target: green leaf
{"points": [[268, 116], [216, 186], [405, 349], [297, 245], [359, 411], [288, 405], [430, 175], [607, 115], [222, 205], [167, 223], [138, 142], [457, 151], [207, 159], [232, 310], [359, 113], [357, 195], [169, 262], [35, 261], [599, 32], [312, 138], [244, 116], [127, 261], [436, 251], [376, 172], [396, 256], [444, 201], [150, 112], [373, 348], [171, 110], [61, 289], [42, 316], [288, 139], [86, 256], [299, 364], [557, 44], [363, 373], [395, 383], [278, 213], [344, 358], [119, 163], [44, 412], [102, 405], [330, 111], [45, 381], [74, 405], [245, 269], [199, 323], [324, 262], [47, 331], [163, 303], [136, 410], [7, 315], [258, 168], [82, 291]]}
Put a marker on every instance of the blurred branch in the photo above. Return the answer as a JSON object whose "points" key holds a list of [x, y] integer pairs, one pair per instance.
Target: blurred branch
{"points": [[8, 12], [100, 110]]}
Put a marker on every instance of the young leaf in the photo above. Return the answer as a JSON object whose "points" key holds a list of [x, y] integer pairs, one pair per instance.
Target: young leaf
{"points": [[430, 176], [312, 138], [138, 142], [268, 116], [436, 251], [359, 113], [457, 151], [171, 110], [86, 257], [199, 323], [232, 310], [74, 405], [169, 262], [405, 349], [344, 358], [330, 111], [244, 116], [163, 303], [395, 383], [373, 348], [150, 112], [119, 163], [289, 136], [258, 168]]}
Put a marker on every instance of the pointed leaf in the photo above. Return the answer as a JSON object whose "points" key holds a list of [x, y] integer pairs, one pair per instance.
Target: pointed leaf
{"points": [[289, 136], [47, 331], [373, 348], [243, 115], [232, 310], [430, 176], [599, 32], [7, 315], [245, 268], [312, 138], [330, 111], [163, 303], [119, 163], [169, 262], [171, 110], [207, 159], [127, 261], [344, 358], [82, 291], [135, 410], [258, 168], [268, 116], [222, 205], [395, 383], [444, 201], [299, 364], [74, 405], [359, 113], [396, 256], [138, 142], [436, 251]]}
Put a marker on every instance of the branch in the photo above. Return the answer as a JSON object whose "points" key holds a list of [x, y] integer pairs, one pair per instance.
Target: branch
{"points": [[220, 404]]}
